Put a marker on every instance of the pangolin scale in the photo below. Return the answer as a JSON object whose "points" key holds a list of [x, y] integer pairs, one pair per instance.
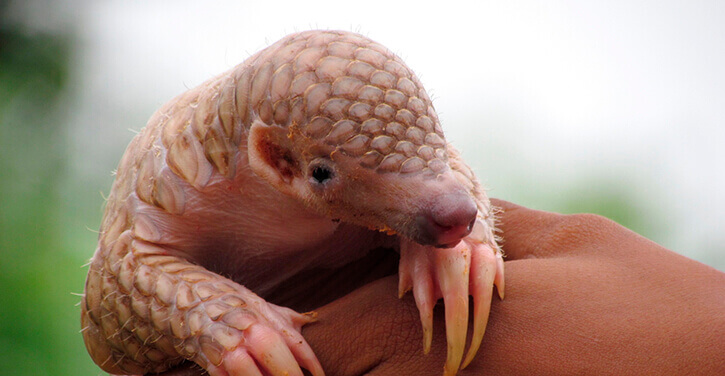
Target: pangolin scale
{"points": [[325, 137]]}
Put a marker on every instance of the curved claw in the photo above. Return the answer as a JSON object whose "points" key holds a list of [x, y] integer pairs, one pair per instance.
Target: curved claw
{"points": [[271, 352], [450, 273], [456, 327], [483, 272], [498, 280], [237, 363], [415, 273], [303, 353], [405, 280], [425, 301], [453, 268], [290, 329], [273, 346]]}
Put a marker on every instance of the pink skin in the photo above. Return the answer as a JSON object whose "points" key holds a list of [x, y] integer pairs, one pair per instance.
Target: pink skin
{"points": [[219, 201]]}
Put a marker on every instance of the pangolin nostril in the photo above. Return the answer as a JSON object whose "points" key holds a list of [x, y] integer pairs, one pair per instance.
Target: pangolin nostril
{"points": [[471, 224], [450, 217]]}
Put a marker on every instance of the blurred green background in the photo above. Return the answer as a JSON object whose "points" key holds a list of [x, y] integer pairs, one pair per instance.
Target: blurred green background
{"points": [[70, 92], [39, 227]]}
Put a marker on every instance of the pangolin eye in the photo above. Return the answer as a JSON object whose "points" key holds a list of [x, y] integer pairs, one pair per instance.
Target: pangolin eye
{"points": [[321, 174]]}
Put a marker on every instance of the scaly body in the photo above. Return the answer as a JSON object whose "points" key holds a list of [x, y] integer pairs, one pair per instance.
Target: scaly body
{"points": [[309, 154]]}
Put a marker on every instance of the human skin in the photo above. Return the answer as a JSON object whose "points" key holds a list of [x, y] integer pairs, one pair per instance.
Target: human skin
{"points": [[584, 296]]}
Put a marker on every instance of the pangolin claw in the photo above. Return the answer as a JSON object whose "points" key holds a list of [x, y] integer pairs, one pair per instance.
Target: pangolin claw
{"points": [[269, 352], [499, 279], [470, 268], [425, 302], [451, 266], [484, 265]]}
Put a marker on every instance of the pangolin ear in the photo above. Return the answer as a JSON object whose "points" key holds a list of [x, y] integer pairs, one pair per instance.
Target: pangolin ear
{"points": [[271, 157]]}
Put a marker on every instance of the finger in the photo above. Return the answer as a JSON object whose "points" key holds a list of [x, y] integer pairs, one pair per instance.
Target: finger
{"points": [[237, 362], [303, 353], [453, 267], [272, 353], [483, 272]]}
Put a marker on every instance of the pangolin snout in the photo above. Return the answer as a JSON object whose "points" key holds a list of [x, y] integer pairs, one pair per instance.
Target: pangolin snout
{"points": [[447, 220]]}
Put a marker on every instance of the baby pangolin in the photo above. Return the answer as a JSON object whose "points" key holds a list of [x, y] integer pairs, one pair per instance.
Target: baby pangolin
{"points": [[311, 153]]}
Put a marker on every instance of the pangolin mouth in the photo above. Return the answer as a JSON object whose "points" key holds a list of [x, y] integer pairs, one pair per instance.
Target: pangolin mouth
{"points": [[449, 245], [432, 233]]}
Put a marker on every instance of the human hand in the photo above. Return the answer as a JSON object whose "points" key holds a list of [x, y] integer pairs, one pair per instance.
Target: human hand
{"points": [[583, 296]]}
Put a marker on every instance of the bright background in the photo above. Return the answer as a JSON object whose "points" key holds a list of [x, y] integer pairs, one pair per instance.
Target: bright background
{"points": [[613, 107]]}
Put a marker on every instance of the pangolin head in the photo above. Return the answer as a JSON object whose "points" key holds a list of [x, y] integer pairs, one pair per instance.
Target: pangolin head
{"points": [[349, 129]]}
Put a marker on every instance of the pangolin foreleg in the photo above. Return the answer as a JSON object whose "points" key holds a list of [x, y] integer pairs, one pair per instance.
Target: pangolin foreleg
{"points": [[146, 311]]}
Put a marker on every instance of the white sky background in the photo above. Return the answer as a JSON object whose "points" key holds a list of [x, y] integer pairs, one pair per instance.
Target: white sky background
{"points": [[537, 95]]}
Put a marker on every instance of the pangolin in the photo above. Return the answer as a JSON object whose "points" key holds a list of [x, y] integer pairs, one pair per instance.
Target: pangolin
{"points": [[309, 154]]}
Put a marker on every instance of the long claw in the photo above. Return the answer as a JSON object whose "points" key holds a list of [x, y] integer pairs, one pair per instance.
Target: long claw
{"points": [[405, 282], [415, 272], [304, 354], [425, 300], [499, 279], [405, 270], [272, 352], [238, 363], [450, 273], [453, 272], [456, 327], [483, 271]]}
